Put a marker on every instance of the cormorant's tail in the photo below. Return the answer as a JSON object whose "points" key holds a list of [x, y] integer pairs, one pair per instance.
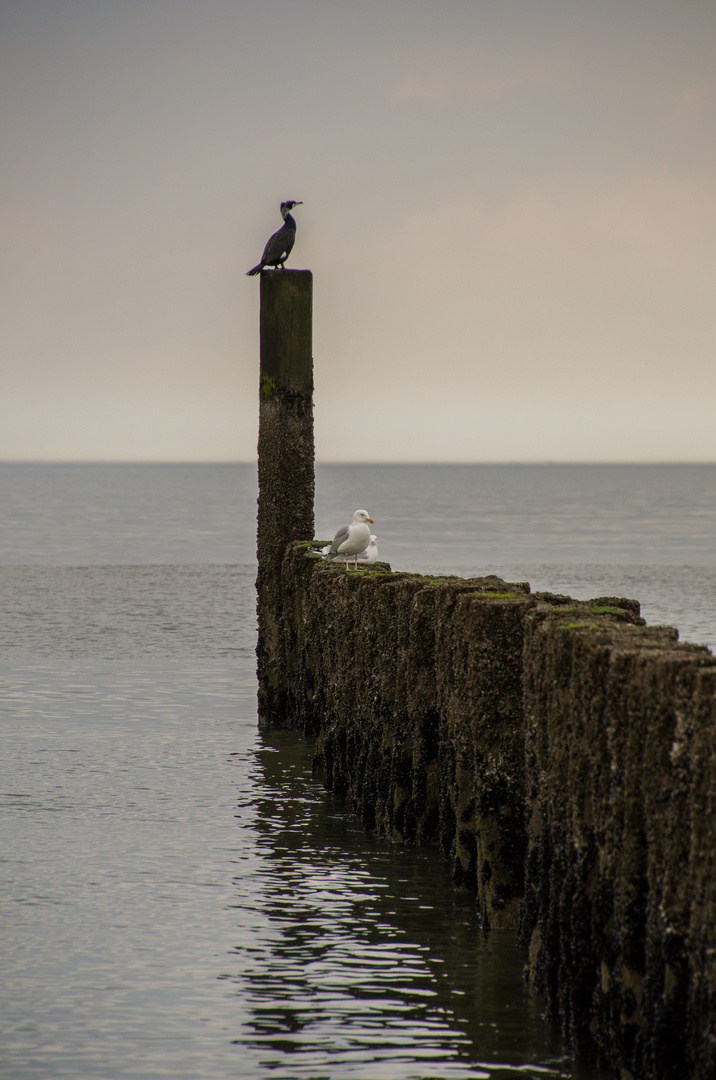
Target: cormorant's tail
{"points": [[254, 270]]}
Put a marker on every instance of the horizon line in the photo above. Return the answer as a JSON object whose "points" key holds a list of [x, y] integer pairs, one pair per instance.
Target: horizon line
{"points": [[421, 464]]}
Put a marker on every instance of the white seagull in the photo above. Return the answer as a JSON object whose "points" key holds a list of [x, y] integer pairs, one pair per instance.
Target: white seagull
{"points": [[351, 539]]}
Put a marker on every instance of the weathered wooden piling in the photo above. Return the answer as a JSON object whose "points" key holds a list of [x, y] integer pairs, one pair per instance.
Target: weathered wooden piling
{"points": [[562, 754], [285, 463]]}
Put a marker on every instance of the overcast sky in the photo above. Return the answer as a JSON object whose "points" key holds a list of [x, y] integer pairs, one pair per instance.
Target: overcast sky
{"points": [[509, 211]]}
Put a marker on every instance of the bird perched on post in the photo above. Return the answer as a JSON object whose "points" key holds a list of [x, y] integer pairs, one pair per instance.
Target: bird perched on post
{"points": [[351, 539], [278, 247]]}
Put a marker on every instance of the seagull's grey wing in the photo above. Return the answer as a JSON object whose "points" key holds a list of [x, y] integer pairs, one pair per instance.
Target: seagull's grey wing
{"points": [[340, 536], [338, 539]]}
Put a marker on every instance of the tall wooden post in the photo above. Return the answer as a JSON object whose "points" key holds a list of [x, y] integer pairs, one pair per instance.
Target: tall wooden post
{"points": [[286, 463]]}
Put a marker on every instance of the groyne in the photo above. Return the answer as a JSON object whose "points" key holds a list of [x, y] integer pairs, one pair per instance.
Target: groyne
{"points": [[560, 752], [562, 755]]}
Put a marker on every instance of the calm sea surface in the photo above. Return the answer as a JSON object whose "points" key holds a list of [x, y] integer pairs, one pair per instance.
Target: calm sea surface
{"points": [[178, 897]]}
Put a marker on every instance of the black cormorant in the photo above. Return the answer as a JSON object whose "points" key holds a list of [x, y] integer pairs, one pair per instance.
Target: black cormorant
{"points": [[278, 246]]}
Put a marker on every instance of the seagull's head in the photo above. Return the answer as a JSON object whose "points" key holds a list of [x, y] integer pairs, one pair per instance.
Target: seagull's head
{"points": [[362, 516]]}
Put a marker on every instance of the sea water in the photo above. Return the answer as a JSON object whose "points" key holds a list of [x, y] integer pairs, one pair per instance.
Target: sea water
{"points": [[178, 897]]}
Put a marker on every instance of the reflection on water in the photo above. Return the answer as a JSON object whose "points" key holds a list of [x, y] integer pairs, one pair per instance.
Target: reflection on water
{"points": [[363, 960], [179, 899]]}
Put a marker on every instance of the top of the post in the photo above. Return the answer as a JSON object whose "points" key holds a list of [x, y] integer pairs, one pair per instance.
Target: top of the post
{"points": [[286, 327], [285, 285]]}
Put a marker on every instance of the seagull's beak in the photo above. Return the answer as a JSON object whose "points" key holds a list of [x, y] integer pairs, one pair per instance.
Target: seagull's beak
{"points": [[371, 521]]}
